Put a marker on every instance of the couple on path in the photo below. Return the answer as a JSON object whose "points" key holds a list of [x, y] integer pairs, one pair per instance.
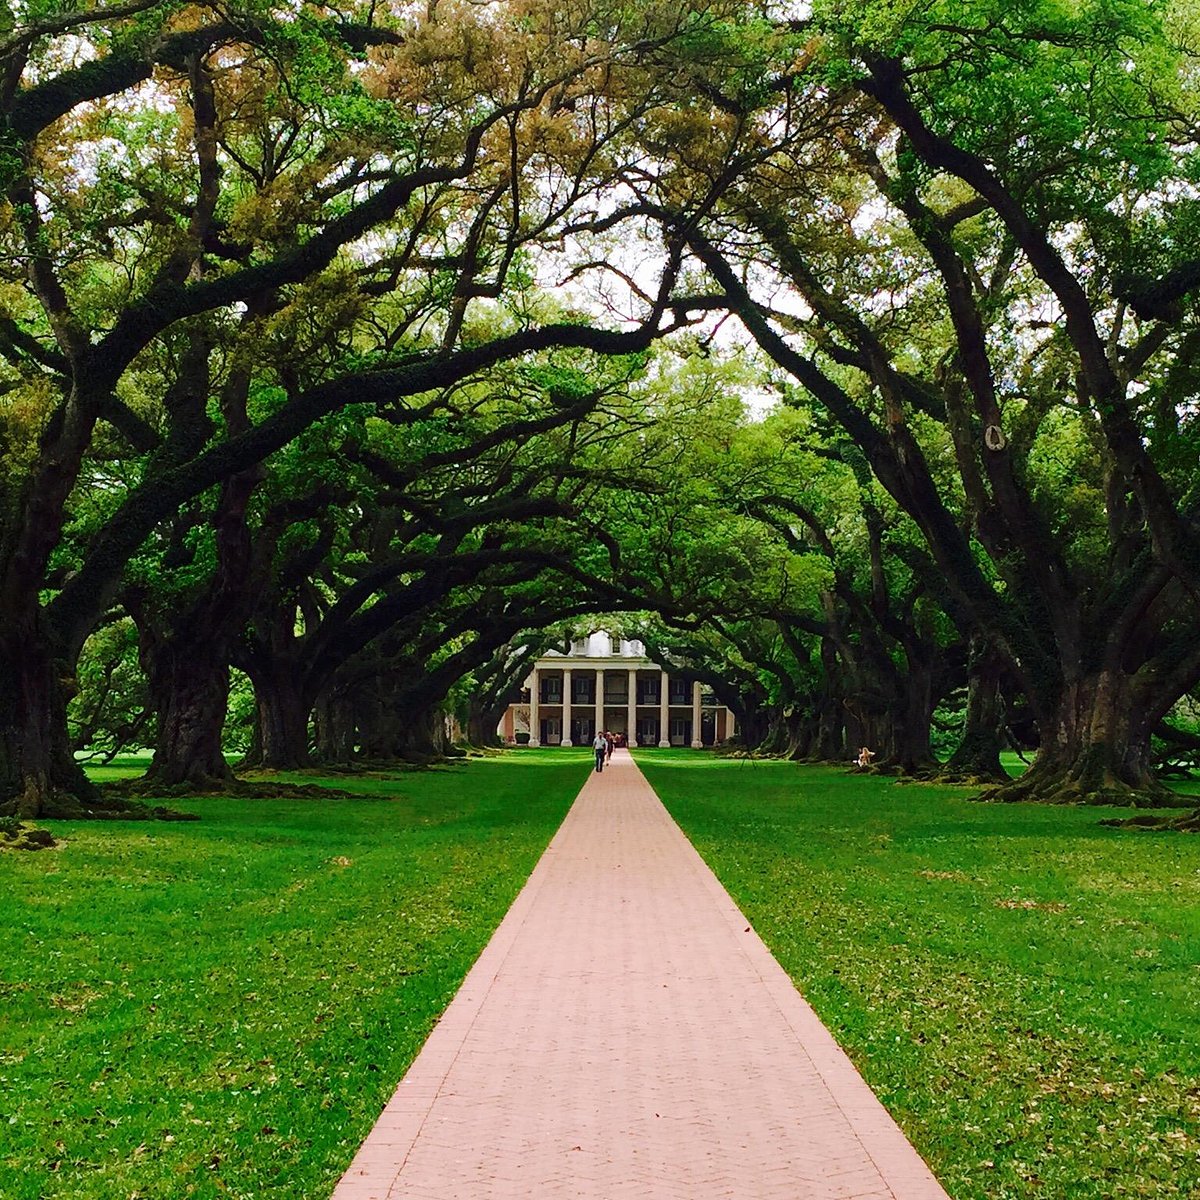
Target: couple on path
{"points": [[602, 744]]}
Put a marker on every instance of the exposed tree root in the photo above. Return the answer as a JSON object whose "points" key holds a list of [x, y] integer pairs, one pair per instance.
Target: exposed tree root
{"points": [[17, 836], [364, 770], [249, 789], [95, 805], [882, 768], [1067, 787], [410, 760], [943, 776], [1158, 823], [472, 751]]}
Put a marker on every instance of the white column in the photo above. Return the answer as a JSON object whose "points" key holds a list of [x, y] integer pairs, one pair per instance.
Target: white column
{"points": [[696, 742], [631, 719], [535, 729], [664, 712], [599, 700], [566, 732]]}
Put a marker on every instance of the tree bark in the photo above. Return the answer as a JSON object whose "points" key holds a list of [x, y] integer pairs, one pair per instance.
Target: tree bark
{"points": [[282, 712], [482, 720], [189, 687], [422, 736], [830, 743], [910, 750], [978, 752], [753, 725], [39, 776], [777, 738], [1097, 752], [334, 728]]}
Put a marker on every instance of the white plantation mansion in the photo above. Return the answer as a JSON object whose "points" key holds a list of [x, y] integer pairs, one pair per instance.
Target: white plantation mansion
{"points": [[609, 684]]}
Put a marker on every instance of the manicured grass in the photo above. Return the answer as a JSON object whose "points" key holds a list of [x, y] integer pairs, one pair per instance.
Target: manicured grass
{"points": [[1020, 986], [222, 1007], [129, 766]]}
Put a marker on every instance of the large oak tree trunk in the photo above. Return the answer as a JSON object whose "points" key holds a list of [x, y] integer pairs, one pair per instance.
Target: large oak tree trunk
{"points": [[803, 729], [187, 651], [391, 729], [335, 728], [39, 776], [422, 735], [977, 754], [378, 720], [775, 739], [1096, 752], [912, 751], [482, 722], [282, 710], [753, 722], [830, 744], [189, 686]]}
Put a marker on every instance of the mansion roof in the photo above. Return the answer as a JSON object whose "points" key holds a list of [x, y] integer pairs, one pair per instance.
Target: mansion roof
{"points": [[598, 650]]}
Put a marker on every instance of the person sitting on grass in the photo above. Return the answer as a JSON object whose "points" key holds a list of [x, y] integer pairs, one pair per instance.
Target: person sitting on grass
{"points": [[865, 755]]}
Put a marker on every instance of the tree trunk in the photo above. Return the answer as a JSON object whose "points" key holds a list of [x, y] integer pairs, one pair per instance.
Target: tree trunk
{"points": [[334, 728], [802, 736], [422, 736], [753, 725], [911, 748], [39, 776], [186, 651], [978, 752], [830, 744], [189, 687], [281, 718], [1097, 752], [377, 719], [482, 720]]}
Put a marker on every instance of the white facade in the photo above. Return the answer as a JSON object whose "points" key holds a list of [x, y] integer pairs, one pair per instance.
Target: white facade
{"points": [[610, 685]]}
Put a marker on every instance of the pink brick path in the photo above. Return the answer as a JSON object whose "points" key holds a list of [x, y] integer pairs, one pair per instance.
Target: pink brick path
{"points": [[625, 1035]]}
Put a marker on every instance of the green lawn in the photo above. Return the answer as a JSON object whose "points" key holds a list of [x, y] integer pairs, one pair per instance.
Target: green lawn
{"points": [[220, 1008], [1020, 985]]}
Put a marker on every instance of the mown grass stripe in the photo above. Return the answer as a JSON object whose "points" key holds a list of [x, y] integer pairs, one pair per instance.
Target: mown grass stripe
{"points": [[222, 1007], [1019, 985]]}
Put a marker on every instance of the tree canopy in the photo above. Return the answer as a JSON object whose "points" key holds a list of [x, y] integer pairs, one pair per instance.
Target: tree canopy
{"points": [[848, 353]]}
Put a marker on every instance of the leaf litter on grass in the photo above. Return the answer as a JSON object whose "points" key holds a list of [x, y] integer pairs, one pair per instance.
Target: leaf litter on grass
{"points": [[1035, 1031]]}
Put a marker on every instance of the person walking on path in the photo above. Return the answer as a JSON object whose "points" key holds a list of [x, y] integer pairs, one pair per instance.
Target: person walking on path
{"points": [[610, 741], [600, 746]]}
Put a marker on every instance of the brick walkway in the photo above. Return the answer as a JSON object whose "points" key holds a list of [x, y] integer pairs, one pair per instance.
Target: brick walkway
{"points": [[625, 1035]]}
